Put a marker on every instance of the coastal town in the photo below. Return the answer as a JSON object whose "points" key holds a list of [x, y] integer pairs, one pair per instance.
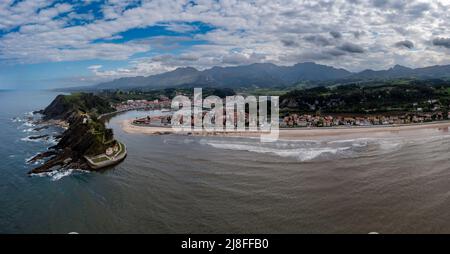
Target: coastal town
{"points": [[293, 120], [162, 102], [309, 120]]}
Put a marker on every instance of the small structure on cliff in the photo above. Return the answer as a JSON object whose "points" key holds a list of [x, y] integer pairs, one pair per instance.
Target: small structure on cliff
{"points": [[112, 156], [86, 140]]}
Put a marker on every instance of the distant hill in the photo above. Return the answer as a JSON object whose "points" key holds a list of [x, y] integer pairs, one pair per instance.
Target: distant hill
{"points": [[267, 75], [259, 74], [431, 95], [398, 71]]}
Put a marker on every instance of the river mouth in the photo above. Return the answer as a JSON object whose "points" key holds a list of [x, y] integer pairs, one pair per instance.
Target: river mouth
{"points": [[190, 184], [314, 186]]}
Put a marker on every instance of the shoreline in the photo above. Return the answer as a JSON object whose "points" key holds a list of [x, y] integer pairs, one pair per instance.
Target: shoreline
{"points": [[299, 133]]}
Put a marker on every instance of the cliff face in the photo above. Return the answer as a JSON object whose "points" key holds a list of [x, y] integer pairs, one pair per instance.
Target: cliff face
{"points": [[85, 136], [58, 109]]}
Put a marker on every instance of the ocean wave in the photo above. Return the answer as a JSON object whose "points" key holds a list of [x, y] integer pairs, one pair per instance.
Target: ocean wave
{"points": [[52, 140], [390, 146], [27, 139], [58, 174], [29, 158], [301, 154], [339, 141], [29, 114], [36, 162], [384, 144], [29, 124], [29, 130], [17, 120], [313, 150]]}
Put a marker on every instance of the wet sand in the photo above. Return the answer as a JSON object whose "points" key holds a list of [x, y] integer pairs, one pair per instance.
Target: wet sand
{"points": [[128, 127], [301, 133]]}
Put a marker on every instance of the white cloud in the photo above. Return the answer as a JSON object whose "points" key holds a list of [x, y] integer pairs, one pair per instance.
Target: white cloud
{"points": [[351, 34], [141, 67]]}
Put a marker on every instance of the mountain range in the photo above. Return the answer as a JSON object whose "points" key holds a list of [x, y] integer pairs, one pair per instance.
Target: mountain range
{"points": [[268, 75]]}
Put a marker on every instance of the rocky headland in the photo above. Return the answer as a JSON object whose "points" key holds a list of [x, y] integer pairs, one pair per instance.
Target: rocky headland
{"points": [[85, 134]]}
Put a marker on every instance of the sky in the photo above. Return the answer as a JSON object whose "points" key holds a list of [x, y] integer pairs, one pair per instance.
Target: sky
{"points": [[48, 43]]}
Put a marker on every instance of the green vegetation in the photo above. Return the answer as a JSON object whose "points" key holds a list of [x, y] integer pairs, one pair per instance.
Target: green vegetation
{"points": [[103, 157], [88, 103], [373, 97], [274, 91], [117, 96], [87, 135], [361, 97], [65, 106], [101, 137]]}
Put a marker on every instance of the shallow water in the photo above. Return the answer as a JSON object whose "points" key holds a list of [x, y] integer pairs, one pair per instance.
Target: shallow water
{"points": [[180, 184]]}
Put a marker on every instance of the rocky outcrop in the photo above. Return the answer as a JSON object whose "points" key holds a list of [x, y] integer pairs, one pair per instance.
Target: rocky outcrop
{"points": [[59, 109], [85, 136], [42, 156], [38, 137]]}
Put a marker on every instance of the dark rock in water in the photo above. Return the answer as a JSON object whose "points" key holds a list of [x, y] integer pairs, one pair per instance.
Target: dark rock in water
{"points": [[38, 137], [85, 136], [42, 156], [58, 109], [60, 160], [78, 140], [41, 128]]}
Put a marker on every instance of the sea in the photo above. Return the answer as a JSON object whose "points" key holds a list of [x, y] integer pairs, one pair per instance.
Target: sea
{"points": [[185, 184]]}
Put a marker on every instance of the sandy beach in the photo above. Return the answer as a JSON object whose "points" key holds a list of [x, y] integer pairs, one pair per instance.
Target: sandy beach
{"points": [[306, 133]]}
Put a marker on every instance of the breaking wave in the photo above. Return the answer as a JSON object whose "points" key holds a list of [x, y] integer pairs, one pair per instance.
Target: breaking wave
{"points": [[58, 174], [302, 154], [29, 130], [308, 150], [17, 120]]}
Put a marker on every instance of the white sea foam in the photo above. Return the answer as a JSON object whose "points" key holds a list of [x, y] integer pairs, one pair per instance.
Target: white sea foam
{"points": [[389, 145], [29, 130], [339, 141], [357, 143], [17, 120], [58, 174], [384, 144], [28, 159], [52, 140], [31, 113], [29, 124], [27, 139], [302, 154], [36, 162]]}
